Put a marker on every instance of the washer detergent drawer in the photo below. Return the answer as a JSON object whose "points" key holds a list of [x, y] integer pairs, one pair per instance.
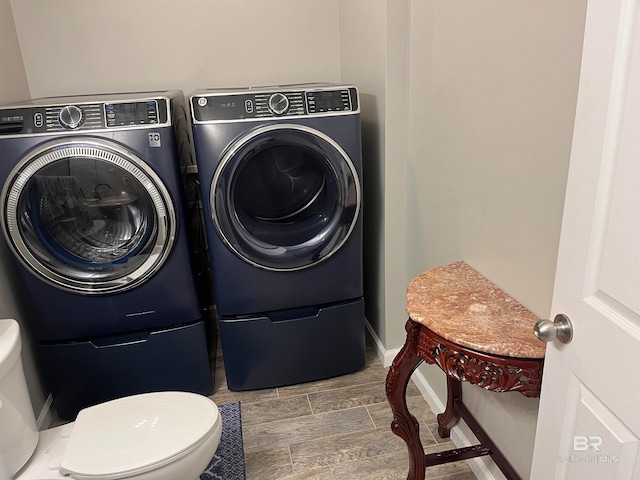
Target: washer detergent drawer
{"points": [[84, 373], [293, 346]]}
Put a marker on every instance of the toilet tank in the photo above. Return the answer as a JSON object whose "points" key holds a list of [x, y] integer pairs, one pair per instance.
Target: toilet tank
{"points": [[18, 429]]}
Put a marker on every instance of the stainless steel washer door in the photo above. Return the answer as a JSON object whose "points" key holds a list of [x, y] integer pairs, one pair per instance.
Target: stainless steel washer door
{"points": [[88, 216], [285, 197]]}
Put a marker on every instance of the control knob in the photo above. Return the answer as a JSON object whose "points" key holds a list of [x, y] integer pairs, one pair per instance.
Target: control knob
{"points": [[278, 103], [70, 117]]}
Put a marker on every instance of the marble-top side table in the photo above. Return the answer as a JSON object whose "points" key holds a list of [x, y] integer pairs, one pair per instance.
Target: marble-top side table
{"points": [[475, 333]]}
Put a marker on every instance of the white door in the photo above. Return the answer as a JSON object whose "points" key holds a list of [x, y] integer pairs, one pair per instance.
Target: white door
{"points": [[589, 418]]}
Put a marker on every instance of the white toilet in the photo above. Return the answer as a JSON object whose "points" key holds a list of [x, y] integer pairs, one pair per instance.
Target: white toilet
{"points": [[152, 436]]}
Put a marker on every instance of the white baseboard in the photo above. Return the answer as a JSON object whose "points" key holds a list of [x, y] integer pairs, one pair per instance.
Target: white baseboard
{"points": [[385, 356], [461, 435], [45, 417]]}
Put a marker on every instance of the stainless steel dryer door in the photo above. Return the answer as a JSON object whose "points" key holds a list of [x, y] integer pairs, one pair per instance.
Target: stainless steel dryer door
{"points": [[87, 216], [285, 197]]}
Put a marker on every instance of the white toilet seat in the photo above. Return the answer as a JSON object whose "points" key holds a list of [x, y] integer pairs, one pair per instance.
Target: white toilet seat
{"points": [[137, 434], [184, 444]]}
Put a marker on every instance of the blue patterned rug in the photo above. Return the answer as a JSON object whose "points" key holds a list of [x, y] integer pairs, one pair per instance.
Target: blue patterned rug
{"points": [[228, 461]]}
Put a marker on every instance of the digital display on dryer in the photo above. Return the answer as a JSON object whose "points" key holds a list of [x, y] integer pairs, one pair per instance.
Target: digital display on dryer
{"points": [[223, 107]]}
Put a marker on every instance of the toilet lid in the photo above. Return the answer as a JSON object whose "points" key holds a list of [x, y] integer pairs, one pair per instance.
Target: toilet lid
{"points": [[135, 434]]}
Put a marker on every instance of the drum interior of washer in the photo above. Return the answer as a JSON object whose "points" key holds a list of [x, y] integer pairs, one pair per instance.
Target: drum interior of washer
{"points": [[100, 218]]}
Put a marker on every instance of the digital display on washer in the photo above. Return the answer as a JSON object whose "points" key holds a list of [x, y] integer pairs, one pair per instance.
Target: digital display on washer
{"points": [[328, 101], [134, 113]]}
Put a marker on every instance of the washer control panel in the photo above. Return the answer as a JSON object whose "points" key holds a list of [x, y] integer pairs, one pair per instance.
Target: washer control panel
{"points": [[208, 107], [83, 117], [70, 117], [279, 103]]}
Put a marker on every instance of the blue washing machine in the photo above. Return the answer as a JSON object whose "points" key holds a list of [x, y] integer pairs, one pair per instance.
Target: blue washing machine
{"points": [[93, 212], [280, 171]]}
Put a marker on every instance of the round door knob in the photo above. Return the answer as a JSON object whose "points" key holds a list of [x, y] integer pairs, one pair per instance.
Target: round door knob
{"points": [[278, 103], [71, 116], [560, 328]]}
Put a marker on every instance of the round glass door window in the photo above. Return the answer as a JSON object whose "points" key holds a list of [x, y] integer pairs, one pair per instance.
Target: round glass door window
{"points": [[285, 197], [88, 217]]}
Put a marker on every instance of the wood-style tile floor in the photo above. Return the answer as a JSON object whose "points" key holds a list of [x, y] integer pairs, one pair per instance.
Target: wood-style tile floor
{"points": [[334, 429]]}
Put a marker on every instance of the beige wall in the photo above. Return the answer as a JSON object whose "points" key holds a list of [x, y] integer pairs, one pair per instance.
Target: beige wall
{"points": [[72, 47], [374, 56], [14, 87], [362, 62], [493, 88], [13, 80], [467, 121]]}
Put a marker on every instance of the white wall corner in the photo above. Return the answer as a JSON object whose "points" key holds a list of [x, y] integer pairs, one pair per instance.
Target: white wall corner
{"points": [[385, 356]]}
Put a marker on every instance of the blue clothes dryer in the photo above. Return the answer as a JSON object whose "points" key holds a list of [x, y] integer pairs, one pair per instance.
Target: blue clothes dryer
{"points": [[280, 173], [93, 211]]}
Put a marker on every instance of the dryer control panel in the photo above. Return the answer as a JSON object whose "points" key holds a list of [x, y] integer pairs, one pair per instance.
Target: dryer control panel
{"points": [[223, 106], [83, 116]]}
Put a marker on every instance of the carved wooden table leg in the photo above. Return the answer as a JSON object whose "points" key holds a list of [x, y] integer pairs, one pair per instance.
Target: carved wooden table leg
{"points": [[457, 302], [404, 424], [450, 416]]}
